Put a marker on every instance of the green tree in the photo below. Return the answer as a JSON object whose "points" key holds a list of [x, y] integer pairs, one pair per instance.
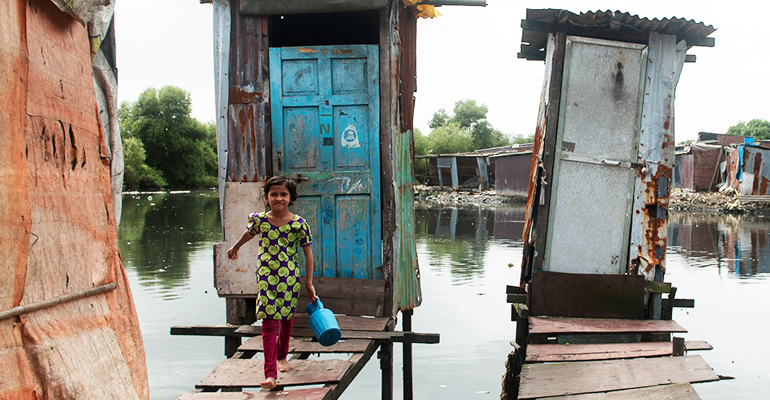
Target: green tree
{"points": [[136, 174], [757, 128], [177, 145], [523, 140], [469, 122], [421, 143], [450, 139]]}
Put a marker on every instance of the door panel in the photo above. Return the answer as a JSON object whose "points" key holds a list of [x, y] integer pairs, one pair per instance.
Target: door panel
{"points": [[325, 120]]}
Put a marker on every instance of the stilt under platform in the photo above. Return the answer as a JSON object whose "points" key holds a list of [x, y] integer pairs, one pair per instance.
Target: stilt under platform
{"points": [[603, 358], [239, 376]]}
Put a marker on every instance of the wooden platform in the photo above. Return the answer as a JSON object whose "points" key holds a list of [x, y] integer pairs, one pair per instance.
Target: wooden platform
{"points": [[612, 363], [239, 376], [548, 380]]}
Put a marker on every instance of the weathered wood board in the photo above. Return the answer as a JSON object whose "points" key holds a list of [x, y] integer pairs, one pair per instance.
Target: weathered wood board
{"points": [[233, 373], [397, 336], [305, 345], [347, 323], [587, 295], [692, 345], [547, 380], [555, 325], [678, 391], [297, 394], [587, 352]]}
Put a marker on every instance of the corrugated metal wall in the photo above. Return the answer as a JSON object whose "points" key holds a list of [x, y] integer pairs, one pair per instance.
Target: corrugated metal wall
{"points": [[512, 174]]}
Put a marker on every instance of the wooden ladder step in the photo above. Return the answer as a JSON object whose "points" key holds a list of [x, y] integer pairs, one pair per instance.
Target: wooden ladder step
{"points": [[588, 352], [679, 391], [557, 325], [244, 373], [296, 394], [306, 345], [561, 379]]}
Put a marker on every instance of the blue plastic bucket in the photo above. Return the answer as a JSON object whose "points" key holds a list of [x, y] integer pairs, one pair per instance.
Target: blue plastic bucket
{"points": [[323, 324]]}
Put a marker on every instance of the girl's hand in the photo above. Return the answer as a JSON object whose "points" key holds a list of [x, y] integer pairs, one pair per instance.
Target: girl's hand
{"points": [[311, 292], [232, 253]]}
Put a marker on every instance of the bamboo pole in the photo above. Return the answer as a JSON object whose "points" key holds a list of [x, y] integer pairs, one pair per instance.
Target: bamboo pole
{"points": [[57, 300]]}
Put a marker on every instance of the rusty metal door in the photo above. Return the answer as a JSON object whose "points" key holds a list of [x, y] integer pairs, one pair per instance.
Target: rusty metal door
{"points": [[596, 151], [325, 122]]}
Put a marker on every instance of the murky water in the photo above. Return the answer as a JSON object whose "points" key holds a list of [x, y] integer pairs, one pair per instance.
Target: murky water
{"points": [[467, 257]]}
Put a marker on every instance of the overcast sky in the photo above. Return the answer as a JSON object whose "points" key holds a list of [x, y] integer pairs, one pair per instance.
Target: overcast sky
{"points": [[470, 53]]}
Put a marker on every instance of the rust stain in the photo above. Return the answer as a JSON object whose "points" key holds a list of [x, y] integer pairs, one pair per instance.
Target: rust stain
{"points": [[654, 220], [307, 50], [667, 123], [240, 96], [757, 170], [342, 51]]}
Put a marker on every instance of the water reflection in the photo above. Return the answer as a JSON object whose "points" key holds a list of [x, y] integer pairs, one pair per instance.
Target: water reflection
{"points": [[741, 244], [459, 237], [159, 231]]}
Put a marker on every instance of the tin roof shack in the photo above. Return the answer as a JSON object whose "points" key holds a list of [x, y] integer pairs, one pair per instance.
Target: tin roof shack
{"points": [[610, 78], [68, 326], [748, 170], [512, 171], [698, 167], [476, 169], [597, 206], [321, 91]]}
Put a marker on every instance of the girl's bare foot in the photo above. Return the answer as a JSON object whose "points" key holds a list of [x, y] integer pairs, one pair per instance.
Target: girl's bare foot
{"points": [[269, 383], [283, 366]]}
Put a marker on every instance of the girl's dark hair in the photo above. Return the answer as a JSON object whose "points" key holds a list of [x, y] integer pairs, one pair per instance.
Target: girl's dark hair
{"points": [[283, 181]]}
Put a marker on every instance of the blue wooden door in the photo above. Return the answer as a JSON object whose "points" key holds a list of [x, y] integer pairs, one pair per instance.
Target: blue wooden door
{"points": [[325, 123]]}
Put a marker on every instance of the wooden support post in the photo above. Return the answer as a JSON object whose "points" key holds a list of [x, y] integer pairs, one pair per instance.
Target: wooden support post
{"points": [[678, 346], [406, 326], [522, 327], [239, 312], [386, 365]]}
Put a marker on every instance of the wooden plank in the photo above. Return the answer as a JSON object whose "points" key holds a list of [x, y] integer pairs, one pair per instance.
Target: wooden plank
{"points": [[555, 325], [587, 352], [347, 322], [240, 373], [587, 295], [206, 330], [679, 391], [516, 298], [657, 287], [306, 345], [695, 345], [358, 360], [297, 394], [392, 336], [546, 380], [680, 303]]}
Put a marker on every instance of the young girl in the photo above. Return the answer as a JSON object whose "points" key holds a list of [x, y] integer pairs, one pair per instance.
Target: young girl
{"points": [[277, 272]]}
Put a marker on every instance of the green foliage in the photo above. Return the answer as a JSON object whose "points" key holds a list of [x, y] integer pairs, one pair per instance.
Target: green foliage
{"points": [[523, 140], [757, 128], [136, 174], [177, 145], [440, 118], [467, 130], [421, 144], [450, 139]]}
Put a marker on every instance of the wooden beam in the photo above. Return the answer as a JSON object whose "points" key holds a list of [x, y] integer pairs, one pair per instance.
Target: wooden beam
{"points": [[657, 287]]}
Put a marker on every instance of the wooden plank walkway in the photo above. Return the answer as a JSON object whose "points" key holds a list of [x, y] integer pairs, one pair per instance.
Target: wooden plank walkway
{"points": [[548, 380], [239, 377], [617, 368], [588, 352]]}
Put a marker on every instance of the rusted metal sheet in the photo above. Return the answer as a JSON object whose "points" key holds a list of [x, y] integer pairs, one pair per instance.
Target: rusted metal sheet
{"points": [[655, 157], [683, 171], [614, 25], [512, 174], [57, 208], [406, 270], [587, 295], [247, 96], [749, 170]]}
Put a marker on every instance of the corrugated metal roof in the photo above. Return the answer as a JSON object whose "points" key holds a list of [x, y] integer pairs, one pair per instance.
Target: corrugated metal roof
{"points": [[614, 25]]}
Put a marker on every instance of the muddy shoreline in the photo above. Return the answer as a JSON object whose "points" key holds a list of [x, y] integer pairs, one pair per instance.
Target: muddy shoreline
{"points": [[680, 200]]}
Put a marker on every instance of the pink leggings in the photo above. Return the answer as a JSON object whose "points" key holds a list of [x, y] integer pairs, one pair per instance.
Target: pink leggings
{"points": [[274, 353]]}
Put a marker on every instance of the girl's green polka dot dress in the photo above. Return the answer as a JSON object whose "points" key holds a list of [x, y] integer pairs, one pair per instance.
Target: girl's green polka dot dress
{"points": [[278, 275]]}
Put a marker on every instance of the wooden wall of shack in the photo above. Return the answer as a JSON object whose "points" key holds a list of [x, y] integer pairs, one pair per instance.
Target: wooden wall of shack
{"points": [[512, 174], [244, 137]]}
